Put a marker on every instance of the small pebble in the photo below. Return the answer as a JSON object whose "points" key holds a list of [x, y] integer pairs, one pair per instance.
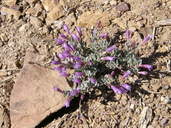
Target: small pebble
{"points": [[137, 111], [167, 100], [1, 43], [166, 87], [113, 2], [58, 24], [123, 7], [156, 117], [79, 121], [9, 73], [123, 109], [162, 98], [106, 1], [132, 106], [163, 122], [4, 37]]}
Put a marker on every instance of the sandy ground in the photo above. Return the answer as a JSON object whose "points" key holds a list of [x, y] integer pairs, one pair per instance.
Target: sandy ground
{"points": [[148, 103]]}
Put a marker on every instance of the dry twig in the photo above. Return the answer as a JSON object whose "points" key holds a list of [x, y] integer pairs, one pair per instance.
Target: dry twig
{"points": [[163, 22]]}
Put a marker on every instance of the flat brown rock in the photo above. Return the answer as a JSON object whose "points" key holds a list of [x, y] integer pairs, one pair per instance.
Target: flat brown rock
{"points": [[33, 98], [90, 18], [56, 13], [123, 7], [10, 11], [49, 4], [9, 2]]}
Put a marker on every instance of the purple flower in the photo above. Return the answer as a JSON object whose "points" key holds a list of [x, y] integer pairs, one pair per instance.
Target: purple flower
{"points": [[92, 80], [63, 73], [63, 69], [66, 46], [82, 96], [128, 35], [79, 74], [92, 40], [71, 59], [79, 31], [67, 54], [149, 67], [109, 58], [77, 58], [75, 37], [118, 90], [78, 65], [126, 86], [112, 73], [122, 90], [58, 68], [60, 41], [55, 62], [132, 44], [65, 51], [104, 35], [61, 56], [89, 63], [57, 89], [110, 49], [127, 73], [76, 80], [65, 27], [63, 36], [67, 103], [95, 32], [74, 92], [142, 73], [72, 48], [146, 39], [99, 24]]}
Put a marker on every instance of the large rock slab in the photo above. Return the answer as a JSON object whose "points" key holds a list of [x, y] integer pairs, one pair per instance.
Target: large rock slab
{"points": [[33, 98]]}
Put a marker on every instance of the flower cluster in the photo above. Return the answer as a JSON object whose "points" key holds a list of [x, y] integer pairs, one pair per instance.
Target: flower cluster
{"points": [[98, 64]]}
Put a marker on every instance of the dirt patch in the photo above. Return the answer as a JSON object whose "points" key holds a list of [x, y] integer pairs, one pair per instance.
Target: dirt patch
{"points": [[31, 26]]}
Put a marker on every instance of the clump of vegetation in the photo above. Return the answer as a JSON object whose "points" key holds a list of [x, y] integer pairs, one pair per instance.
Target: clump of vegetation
{"points": [[98, 65]]}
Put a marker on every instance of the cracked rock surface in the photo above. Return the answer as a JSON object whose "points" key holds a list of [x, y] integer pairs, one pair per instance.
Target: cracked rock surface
{"points": [[33, 97]]}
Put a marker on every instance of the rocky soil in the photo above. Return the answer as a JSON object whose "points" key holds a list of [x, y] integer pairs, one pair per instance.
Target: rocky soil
{"points": [[33, 26]]}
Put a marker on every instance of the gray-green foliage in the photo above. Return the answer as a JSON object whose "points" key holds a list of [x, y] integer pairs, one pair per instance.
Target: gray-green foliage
{"points": [[125, 59]]}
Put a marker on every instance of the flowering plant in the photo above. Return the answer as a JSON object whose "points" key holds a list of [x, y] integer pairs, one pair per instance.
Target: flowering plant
{"points": [[97, 64]]}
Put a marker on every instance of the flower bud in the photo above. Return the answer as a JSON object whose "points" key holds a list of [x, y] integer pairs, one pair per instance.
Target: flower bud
{"points": [[104, 35], [63, 36], [126, 74], [146, 39], [109, 58], [67, 103], [75, 37], [65, 27], [57, 89]]}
